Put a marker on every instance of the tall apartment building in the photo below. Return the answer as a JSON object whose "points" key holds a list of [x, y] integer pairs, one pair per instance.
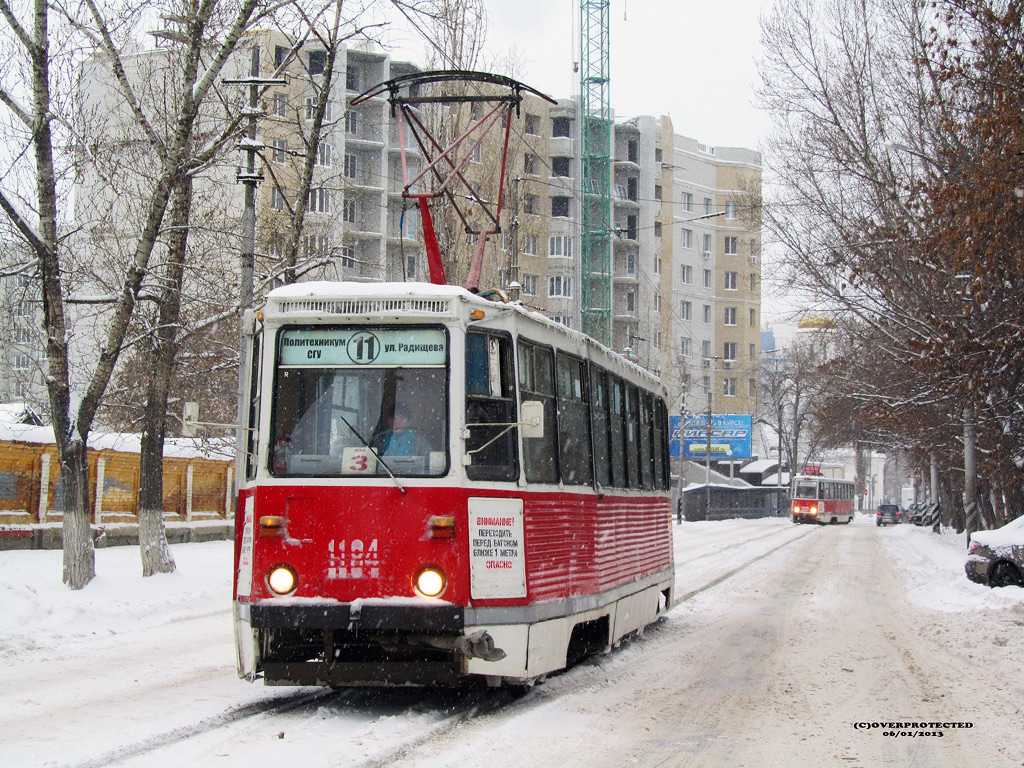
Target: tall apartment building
{"points": [[685, 272]]}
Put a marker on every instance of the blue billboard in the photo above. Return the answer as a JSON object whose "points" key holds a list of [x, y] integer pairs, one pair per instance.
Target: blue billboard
{"points": [[730, 436]]}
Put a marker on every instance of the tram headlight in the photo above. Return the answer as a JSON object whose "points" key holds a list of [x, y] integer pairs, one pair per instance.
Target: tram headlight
{"points": [[282, 579], [431, 581]]}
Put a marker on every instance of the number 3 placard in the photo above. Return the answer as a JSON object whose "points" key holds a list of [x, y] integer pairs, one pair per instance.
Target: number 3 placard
{"points": [[358, 461]]}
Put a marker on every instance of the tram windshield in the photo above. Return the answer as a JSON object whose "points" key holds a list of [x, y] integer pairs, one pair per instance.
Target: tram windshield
{"points": [[348, 401], [806, 489]]}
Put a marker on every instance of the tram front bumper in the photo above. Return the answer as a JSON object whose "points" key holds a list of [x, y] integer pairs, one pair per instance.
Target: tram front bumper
{"points": [[404, 617]]}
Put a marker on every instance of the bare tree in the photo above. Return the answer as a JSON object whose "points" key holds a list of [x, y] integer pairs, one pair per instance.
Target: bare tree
{"points": [[73, 411]]}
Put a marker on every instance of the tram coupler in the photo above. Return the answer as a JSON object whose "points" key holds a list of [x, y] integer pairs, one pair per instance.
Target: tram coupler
{"points": [[479, 645]]}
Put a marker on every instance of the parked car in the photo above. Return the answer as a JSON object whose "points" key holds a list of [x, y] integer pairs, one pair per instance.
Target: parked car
{"points": [[996, 558], [915, 514], [888, 514]]}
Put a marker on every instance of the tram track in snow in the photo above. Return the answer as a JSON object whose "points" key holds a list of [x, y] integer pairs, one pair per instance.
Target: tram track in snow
{"points": [[152, 744], [477, 704]]}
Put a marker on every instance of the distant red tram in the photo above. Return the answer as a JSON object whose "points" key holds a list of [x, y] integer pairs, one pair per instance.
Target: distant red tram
{"points": [[440, 488], [817, 499]]}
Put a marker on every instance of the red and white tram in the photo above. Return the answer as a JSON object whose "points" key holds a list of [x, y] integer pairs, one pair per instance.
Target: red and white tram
{"points": [[440, 488], [817, 499]]}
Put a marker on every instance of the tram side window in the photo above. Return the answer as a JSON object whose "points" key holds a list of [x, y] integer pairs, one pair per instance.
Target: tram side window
{"points": [[660, 431], [536, 382], [646, 438], [573, 421], [632, 437], [617, 432], [490, 400], [599, 424]]}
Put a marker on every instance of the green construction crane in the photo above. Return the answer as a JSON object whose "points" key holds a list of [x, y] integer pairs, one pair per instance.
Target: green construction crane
{"points": [[596, 146]]}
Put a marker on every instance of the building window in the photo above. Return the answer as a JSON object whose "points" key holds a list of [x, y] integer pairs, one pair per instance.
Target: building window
{"points": [[731, 246], [707, 314], [323, 155], [657, 339], [350, 166], [560, 206], [530, 204], [753, 282], [22, 363], [730, 315], [753, 318], [686, 310], [729, 351], [352, 78], [316, 246], [657, 266], [22, 336], [280, 55], [657, 191], [630, 302], [731, 209], [280, 149], [687, 274], [657, 229], [319, 200], [311, 108], [348, 211], [753, 351], [348, 256], [560, 286], [530, 245], [686, 238], [530, 163], [561, 166], [657, 302], [352, 122], [707, 244], [730, 281], [729, 386], [684, 346], [277, 199], [705, 348], [530, 285], [317, 62], [657, 155], [561, 127], [531, 124], [707, 278], [686, 199], [280, 105], [708, 209], [410, 267], [751, 388], [631, 265]]}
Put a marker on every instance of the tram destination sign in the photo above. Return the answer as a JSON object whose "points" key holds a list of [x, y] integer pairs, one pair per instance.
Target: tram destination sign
{"points": [[364, 346], [730, 436]]}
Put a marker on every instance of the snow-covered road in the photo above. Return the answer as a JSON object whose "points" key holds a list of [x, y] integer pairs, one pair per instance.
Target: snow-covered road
{"points": [[788, 637]]}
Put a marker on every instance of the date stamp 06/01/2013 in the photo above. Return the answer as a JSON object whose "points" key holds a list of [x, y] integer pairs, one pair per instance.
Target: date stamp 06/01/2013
{"points": [[912, 729]]}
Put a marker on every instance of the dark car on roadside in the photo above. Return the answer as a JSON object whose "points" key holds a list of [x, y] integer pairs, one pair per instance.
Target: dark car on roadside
{"points": [[996, 558], [915, 514], [888, 514]]}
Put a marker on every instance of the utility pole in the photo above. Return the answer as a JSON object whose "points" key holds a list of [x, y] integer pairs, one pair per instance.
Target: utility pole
{"points": [[250, 177], [514, 285], [970, 473]]}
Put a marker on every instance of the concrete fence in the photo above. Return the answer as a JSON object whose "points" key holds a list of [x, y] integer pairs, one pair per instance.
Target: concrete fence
{"points": [[197, 491]]}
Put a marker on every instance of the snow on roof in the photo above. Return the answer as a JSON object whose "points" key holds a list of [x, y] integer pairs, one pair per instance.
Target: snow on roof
{"points": [[11, 428], [761, 465]]}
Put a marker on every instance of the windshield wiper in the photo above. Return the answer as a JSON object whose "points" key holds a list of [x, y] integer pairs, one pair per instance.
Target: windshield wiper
{"points": [[373, 451]]}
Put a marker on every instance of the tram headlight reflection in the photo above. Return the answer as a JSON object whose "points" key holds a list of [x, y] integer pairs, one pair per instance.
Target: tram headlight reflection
{"points": [[431, 581], [282, 579]]}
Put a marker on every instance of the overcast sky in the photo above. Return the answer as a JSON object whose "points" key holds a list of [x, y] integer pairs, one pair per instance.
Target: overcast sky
{"points": [[693, 61]]}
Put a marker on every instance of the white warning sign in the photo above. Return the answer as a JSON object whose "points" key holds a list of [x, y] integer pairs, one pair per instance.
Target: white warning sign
{"points": [[497, 556]]}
